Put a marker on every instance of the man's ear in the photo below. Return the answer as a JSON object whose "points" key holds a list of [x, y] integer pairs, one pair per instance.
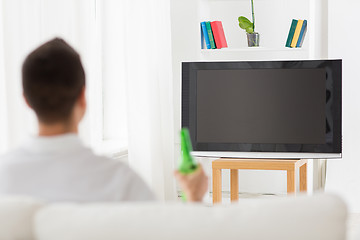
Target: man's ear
{"points": [[82, 98], [27, 102]]}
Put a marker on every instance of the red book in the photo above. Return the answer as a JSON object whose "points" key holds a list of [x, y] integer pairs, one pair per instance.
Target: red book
{"points": [[219, 35]]}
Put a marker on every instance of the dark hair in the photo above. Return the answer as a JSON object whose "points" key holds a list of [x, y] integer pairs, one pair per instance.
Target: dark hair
{"points": [[53, 78]]}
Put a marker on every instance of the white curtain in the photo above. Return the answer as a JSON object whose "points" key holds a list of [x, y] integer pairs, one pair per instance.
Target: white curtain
{"points": [[16, 120], [25, 25], [149, 74], [145, 24], [3, 105]]}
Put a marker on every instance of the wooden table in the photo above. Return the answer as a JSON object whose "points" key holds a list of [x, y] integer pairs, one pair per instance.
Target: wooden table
{"points": [[290, 166]]}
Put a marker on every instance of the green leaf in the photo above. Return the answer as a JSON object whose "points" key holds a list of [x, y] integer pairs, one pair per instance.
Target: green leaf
{"points": [[250, 29], [246, 24]]}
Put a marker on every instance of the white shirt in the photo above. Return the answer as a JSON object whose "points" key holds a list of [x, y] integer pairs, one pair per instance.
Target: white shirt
{"points": [[61, 169]]}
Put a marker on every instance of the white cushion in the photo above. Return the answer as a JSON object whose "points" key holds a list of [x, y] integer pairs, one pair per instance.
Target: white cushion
{"points": [[299, 218], [16, 217]]}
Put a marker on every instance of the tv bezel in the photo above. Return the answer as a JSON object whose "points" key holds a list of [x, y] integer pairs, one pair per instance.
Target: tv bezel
{"points": [[332, 67]]}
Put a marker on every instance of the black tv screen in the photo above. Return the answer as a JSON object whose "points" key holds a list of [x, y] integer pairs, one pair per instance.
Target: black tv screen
{"points": [[263, 106]]}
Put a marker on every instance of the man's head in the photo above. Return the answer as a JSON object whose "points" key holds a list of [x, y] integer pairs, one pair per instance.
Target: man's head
{"points": [[54, 82]]}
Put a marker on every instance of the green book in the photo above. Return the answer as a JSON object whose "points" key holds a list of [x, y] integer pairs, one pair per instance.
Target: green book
{"points": [[211, 37], [291, 33]]}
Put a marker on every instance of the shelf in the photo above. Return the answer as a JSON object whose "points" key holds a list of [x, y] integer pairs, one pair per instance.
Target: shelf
{"points": [[253, 49], [254, 53]]}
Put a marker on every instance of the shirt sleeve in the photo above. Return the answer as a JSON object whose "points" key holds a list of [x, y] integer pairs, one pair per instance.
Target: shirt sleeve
{"points": [[136, 188]]}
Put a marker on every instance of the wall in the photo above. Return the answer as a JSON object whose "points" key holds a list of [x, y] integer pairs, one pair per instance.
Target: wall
{"points": [[343, 176]]}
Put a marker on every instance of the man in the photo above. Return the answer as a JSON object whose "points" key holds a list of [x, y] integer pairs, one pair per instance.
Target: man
{"points": [[55, 166]]}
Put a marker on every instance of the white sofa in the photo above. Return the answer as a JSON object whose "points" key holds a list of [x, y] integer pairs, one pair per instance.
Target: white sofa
{"points": [[321, 217]]}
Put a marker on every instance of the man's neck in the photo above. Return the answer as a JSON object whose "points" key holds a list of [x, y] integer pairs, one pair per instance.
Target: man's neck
{"points": [[46, 130]]}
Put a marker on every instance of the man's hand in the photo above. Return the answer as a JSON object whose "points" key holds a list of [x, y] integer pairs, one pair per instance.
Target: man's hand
{"points": [[194, 185]]}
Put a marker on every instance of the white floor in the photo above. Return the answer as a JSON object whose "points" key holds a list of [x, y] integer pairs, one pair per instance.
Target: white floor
{"points": [[354, 226], [226, 197]]}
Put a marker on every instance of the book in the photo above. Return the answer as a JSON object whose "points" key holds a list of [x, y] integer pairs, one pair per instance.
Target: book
{"points": [[211, 38], [219, 35], [204, 34], [291, 33], [302, 34], [297, 33]]}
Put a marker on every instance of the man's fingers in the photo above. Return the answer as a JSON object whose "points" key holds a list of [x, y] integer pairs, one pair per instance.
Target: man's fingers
{"points": [[178, 175]]}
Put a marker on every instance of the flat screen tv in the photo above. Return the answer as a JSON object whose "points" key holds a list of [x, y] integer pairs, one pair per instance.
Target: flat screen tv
{"points": [[263, 109]]}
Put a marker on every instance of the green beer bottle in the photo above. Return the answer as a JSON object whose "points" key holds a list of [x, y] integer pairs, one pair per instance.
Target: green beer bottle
{"points": [[187, 164]]}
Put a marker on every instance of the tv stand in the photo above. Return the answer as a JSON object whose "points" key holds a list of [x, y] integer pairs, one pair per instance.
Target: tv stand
{"points": [[290, 166]]}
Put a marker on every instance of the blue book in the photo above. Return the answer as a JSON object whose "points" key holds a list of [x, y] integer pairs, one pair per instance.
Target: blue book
{"points": [[205, 35], [302, 34]]}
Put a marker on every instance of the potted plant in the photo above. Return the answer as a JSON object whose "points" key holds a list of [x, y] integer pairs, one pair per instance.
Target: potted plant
{"points": [[244, 23]]}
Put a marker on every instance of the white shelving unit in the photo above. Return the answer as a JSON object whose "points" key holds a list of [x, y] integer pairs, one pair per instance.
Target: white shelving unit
{"points": [[187, 15], [273, 19]]}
